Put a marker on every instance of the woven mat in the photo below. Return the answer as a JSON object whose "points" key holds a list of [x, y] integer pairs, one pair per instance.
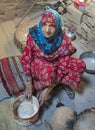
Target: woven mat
{"points": [[12, 78]]}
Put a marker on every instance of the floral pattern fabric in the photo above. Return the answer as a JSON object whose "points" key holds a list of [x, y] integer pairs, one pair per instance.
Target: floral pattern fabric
{"points": [[58, 67]]}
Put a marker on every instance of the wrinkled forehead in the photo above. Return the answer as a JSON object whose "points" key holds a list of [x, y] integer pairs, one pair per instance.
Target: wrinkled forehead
{"points": [[48, 17]]}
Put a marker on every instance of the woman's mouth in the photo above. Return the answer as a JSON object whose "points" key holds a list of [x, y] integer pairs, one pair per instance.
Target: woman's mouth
{"points": [[47, 35]]}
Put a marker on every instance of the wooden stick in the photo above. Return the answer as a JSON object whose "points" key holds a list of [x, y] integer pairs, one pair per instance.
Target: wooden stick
{"points": [[36, 16], [26, 13], [43, 2]]}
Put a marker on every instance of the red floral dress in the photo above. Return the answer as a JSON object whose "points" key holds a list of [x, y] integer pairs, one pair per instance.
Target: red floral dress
{"points": [[58, 67]]}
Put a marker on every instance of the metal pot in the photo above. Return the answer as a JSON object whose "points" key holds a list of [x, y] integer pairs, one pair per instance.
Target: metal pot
{"points": [[89, 58], [22, 120], [71, 33]]}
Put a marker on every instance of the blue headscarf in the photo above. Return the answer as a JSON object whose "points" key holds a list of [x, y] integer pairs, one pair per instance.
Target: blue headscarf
{"points": [[48, 45]]}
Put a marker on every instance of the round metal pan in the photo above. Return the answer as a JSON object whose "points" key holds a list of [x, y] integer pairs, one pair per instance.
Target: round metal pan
{"points": [[89, 58]]}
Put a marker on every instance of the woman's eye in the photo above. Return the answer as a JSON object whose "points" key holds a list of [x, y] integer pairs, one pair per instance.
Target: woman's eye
{"points": [[52, 26], [44, 25], [49, 26]]}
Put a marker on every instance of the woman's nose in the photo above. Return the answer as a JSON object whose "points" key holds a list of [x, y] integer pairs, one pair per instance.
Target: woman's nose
{"points": [[47, 29]]}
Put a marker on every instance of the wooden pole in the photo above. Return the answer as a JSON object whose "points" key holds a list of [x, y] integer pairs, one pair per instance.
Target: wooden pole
{"points": [[26, 13]]}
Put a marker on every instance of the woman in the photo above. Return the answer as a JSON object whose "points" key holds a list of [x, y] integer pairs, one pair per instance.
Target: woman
{"points": [[47, 59]]}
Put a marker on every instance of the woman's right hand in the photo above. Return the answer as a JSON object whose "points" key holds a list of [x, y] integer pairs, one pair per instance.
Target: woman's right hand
{"points": [[28, 90]]}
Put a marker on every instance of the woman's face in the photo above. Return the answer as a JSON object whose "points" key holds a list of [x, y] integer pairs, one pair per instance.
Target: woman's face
{"points": [[48, 29]]}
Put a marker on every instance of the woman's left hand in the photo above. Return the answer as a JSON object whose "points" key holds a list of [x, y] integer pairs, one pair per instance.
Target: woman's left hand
{"points": [[44, 96]]}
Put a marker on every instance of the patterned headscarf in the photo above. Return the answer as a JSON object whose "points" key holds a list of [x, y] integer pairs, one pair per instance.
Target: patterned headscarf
{"points": [[48, 45], [48, 17]]}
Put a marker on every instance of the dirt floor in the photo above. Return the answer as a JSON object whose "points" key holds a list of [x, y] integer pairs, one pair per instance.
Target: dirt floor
{"points": [[84, 96], [10, 9]]}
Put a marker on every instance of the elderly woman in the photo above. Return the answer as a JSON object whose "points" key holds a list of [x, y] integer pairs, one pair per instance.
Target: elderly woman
{"points": [[47, 59]]}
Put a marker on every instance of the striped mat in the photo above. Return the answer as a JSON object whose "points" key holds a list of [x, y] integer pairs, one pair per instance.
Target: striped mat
{"points": [[12, 77]]}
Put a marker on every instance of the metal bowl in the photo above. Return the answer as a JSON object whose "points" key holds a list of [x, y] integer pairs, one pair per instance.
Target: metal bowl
{"points": [[89, 58], [22, 120]]}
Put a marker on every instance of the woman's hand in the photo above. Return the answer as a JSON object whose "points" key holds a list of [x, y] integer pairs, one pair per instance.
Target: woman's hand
{"points": [[28, 90], [43, 96]]}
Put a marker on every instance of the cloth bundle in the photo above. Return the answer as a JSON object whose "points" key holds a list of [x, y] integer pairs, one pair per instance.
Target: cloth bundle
{"points": [[12, 77]]}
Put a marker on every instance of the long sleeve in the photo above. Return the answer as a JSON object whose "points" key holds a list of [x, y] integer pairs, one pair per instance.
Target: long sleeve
{"points": [[69, 48], [27, 57], [63, 60]]}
